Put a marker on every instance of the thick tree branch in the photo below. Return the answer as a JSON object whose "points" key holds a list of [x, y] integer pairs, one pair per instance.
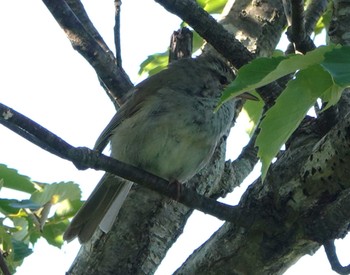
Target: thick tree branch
{"points": [[302, 194], [339, 31], [298, 20], [287, 11], [113, 77], [85, 158], [79, 11], [296, 32], [236, 171], [207, 27], [313, 13], [335, 222]]}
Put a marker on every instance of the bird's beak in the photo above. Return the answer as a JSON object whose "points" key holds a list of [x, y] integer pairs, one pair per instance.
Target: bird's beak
{"points": [[248, 96]]}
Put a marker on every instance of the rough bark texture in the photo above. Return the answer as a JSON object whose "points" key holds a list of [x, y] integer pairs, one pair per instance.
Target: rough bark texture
{"points": [[293, 209], [338, 29], [301, 204]]}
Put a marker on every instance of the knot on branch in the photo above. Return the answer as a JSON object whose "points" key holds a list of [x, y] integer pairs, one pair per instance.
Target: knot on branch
{"points": [[302, 42], [83, 157], [180, 44]]}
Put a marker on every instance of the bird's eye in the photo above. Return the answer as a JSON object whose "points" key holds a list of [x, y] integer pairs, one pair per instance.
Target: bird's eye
{"points": [[223, 80]]}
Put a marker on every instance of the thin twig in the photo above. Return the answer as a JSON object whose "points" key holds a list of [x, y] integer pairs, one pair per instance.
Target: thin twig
{"points": [[114, 78], [117, 5], [329, 247], [3, 266], [78, 9]]}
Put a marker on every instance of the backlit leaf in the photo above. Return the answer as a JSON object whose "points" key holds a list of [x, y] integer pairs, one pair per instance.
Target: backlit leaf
{"points": [[12, 179], [289, 110]]}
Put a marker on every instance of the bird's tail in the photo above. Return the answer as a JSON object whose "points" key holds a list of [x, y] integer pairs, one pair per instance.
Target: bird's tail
{"points": [[100, 209]]}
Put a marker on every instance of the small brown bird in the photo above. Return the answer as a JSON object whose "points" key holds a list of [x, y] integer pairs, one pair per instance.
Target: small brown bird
{"points": [[167, 127]]}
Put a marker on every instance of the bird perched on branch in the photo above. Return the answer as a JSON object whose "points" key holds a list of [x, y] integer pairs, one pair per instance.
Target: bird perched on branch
{"points": [[167, 127]]}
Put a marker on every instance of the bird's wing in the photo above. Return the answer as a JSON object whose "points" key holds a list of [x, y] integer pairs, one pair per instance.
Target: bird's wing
{"points": [[133, 104]]}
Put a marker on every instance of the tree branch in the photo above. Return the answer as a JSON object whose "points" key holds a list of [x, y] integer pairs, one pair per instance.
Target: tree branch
{"points": [[303, 190], [78, 9], [3, 266], [298, 20], [236, 171], [296, 33], [180, 44], [338, 30], [84, 158], [329, 247], [113, 77], [313, 13], [207, 27], [117, 6]]}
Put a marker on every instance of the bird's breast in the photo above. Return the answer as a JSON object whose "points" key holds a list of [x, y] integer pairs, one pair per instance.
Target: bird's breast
{"points": [[171, 139]]}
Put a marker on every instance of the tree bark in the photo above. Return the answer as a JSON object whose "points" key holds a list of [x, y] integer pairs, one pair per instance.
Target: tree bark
{"points": [[294, 209]]}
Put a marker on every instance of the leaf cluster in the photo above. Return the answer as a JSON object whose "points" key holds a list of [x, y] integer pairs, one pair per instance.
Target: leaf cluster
{"points": [[321, 74], [44, 213]]}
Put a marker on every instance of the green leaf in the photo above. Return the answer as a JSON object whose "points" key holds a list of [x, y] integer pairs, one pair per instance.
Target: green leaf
{"points": [[6, 206], [212, 6], [21, 225], [53, 233], [324, 20], [322, 73], [67, 209], [198, 41], [289, 110], [277, 53], [20, 250], [332, 96], [337, 63], [264, 70], [17, 250], [154, 63], [24, 204], [57, 192], [253, 110], [5, 239], [12, 179], [34, 232]]}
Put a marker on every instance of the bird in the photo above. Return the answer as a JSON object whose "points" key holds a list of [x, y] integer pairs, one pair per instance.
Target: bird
{"points": [[167, 126]]}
